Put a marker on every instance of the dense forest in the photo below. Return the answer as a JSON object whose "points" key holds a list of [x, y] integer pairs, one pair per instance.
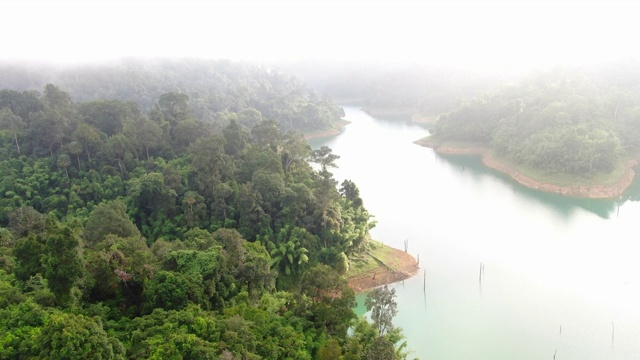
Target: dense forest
{"points": [[135, 227], [218, 90], [557, 121]]}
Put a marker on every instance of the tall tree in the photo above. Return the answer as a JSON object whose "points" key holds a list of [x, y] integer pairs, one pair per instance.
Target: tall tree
{"points": [[174, 106], [209, 161], [256, 269], [109, 218], [26, 220], [235, 138], [62, 262], [152, 203], [381, 302], [350, 191], [56, 98], [146, 133], [88, 136], [28, 253], [109, 116], [64, 161], [331, 301], [295, 151], [118, 147], [48, 128], [13, 123], [267, 134], [325, 158], [187, 132], [21, 103], [75, 148]]}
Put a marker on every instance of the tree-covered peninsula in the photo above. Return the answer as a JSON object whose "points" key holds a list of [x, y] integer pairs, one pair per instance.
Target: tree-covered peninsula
{"points": [[185, 226], [558, 128]]}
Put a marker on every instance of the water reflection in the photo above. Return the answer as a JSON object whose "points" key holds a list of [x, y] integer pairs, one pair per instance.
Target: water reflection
{"points": [[550, 260], [633, 192], [472, 166], [564, 205]]}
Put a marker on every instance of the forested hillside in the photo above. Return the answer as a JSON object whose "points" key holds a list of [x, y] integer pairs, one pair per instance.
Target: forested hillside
{"points": [[218, 90], [557, 122], [128, 232]]}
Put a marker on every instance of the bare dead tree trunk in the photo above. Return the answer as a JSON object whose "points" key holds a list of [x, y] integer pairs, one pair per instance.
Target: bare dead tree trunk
{"points": [[121, 171], [15, 137]]}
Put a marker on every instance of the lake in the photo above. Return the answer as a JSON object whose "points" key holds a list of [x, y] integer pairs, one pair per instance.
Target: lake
{"points": [[559, 275]]}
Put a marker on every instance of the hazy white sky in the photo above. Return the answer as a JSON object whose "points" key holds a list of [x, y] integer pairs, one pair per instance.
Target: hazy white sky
{"points": [[483, 33]]}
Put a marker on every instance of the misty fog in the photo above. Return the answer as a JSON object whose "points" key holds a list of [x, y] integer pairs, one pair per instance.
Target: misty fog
{"points": [[179, 178]]}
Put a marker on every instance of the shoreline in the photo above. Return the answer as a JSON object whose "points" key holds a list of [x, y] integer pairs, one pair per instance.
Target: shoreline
{"points": [[409, 114], [326, 133], [402, 266], [597, 191], [399, 267]]}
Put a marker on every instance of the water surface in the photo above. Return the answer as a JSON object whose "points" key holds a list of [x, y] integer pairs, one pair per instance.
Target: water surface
{"points": [[561, 275]]}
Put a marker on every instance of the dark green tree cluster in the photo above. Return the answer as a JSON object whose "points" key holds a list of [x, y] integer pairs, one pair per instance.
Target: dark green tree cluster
{"points": [[133, 234], [558, 122], [219, 91]]}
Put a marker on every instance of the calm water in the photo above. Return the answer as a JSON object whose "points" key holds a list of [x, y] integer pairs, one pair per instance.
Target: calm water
{"points": [[561, 275]]}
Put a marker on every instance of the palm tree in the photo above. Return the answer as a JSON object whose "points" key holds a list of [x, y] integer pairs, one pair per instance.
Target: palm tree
{"points": [[288, 254], [64, 161], [75, 148]]}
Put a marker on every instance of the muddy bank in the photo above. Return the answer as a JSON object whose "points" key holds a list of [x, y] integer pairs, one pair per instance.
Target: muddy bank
{"points": [[596, 191], [400, 267], [325, 133]]}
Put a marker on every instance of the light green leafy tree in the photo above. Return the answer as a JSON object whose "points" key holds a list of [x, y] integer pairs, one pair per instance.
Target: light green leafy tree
{"points": [[74, 336], [383, 308]]}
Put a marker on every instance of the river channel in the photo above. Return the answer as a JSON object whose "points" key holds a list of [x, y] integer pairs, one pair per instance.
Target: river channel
{"points": [[511, 273]]}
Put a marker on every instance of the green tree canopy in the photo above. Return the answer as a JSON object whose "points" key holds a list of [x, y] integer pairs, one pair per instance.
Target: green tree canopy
{"points": [[109, 217]]}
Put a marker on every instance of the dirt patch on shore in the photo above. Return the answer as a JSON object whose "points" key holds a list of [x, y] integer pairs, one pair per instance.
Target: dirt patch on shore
{"points": [[600, 191], [398, 267], [326, 133]]}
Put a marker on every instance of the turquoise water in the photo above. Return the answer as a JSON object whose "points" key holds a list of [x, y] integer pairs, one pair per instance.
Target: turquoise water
{"points": [[360, 308], [561, 275]]}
